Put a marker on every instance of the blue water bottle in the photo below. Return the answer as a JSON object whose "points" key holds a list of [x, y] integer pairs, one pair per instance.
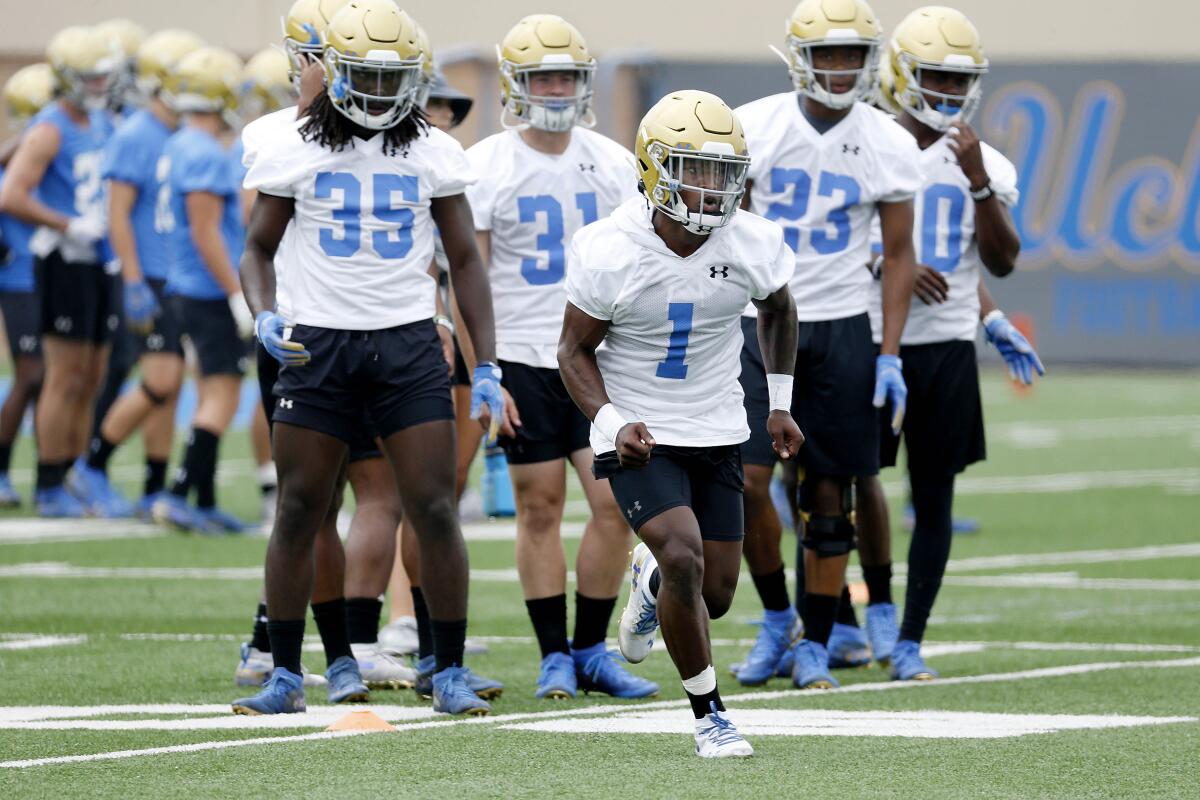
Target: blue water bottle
{"points": [[496, 486]]}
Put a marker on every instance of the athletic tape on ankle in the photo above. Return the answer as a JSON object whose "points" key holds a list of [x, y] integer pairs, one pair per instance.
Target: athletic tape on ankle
{"points": [[703, 683]]}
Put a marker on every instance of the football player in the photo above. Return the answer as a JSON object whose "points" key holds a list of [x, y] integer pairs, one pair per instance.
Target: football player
{"points": [[136, 210], [54, 183], [202, 219], [124, 94], [360, 335], [824, 164], [932, 74], [540, 181], [28, 91], [649, 351]]}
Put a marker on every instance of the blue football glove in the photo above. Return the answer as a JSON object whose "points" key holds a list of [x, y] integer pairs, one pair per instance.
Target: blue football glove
{"points": [[1018, 353], [268, 327], [141, 306], [889, 385], [485, 389]]}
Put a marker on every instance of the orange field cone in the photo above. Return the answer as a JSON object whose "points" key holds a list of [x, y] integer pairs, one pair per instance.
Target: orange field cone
{"points": [[361, 721]]}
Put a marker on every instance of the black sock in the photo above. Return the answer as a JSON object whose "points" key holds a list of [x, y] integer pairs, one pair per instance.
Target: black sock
{"points": [[845, 612], [655, 582], [449, 638], [5, 457], [819, 611], [549, 618], [424, 632], [702, 703], [100, 452], [259, 640], [204, 467], [330, 617], [772, 590], [879, 583], [156, 476], [592, 616], [287, 637], [362, 619], [800, 582], [181, 481], [933, 501], [50, 475]]}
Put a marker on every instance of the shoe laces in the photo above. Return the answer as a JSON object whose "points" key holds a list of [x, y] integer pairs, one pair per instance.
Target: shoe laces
{"points": [[720, 729], [454, 683], [603, 661], [647, 619]]}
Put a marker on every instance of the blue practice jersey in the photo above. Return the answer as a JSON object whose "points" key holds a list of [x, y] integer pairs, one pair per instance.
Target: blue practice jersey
{"points": [[131, 156], [72, 184], [17, 274], [197, 162]]}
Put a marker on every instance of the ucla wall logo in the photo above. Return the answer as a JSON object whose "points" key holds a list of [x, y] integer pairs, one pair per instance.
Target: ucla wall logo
{"points": [[1079, 209]]}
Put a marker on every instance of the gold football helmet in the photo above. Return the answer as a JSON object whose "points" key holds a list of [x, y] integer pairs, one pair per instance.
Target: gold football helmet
{"points": [[831, 23], [127, 37], [692, 142], [545, 43], [159, 54], [28, 91], [85, 61], [208, 80], [266, 86], [373, 63], [303, 28], [934, 38]]}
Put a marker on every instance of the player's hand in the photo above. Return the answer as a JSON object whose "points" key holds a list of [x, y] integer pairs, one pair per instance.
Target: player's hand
{"points": [[242, 316], [1018, 353], [86, 230], [269, 328], [930, 286], [786, 437], [447, 340], [964, 143], [634, 444], [487, 398], [512, 418], [312, 83], [141, 307], [890, 387]]}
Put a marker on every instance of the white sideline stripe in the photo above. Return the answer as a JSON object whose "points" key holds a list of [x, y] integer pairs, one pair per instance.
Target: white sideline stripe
{"points": [[36, 641], [1030, 434], [1147, 553], [1071, 580], [501, 719]]}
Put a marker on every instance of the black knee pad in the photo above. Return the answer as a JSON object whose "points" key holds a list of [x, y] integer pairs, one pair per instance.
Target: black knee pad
{"points": [[808, 493], [828, 536], [154, 397]]}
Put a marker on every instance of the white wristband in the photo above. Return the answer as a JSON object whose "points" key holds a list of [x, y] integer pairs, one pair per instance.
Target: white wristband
{"points": [[779, 389], [992, 316], [609, 422]]}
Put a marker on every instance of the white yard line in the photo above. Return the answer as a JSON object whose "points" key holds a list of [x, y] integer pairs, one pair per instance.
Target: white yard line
{"points": [[36, 641], [1071, 580], [1122, 554], [1030, 435]]}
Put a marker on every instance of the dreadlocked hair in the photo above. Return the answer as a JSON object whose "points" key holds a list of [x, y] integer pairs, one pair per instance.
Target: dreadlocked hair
{"points": [[328, 127]]}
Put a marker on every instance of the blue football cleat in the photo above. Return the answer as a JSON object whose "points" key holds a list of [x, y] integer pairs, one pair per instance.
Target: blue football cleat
{"points": [[485, 688], [773, 642], [97, 493], [9, 497], [556, 679], [345, 682], [811, 667], [144, 508], [214, 520], [784, 670], [174, 511], [452, 695], [282, 694], [882, 631], [907, 664], [848, 647], [58, 503], [599, 669]]}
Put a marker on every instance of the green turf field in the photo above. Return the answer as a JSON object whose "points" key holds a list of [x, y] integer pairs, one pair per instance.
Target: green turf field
{"points": [[1067, 636]]}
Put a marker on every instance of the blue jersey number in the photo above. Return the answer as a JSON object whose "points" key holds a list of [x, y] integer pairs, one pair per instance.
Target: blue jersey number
{"points": [[551, 241], [396, 242], [828, 185], [936, 252], [680, 315]]}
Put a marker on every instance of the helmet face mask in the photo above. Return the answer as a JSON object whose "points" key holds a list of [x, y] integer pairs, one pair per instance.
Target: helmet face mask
{"points": [[555, 113], [375, 92], [700, 190], [938, 109], [815, 83], [91, 90]]}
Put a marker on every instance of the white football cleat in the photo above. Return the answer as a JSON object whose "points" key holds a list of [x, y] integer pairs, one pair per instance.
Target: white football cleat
{"points": [[381, 670], [255, 668], [639, 620], [716, 737], [399, 637]]}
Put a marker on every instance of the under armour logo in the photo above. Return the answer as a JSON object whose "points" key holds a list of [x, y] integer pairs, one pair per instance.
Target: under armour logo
{"points": [[948, 160], [285, 403], [637, 506], [715, 271], [587, 167], [850, 148], [27, 344], [63, 324], [155, 342]]}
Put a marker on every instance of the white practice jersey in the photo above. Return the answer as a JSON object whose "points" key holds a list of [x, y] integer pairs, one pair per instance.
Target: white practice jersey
{"points": [[359, 252], [944, 239], [823, 189], [671, 358], [258, 133], [532, 204]]}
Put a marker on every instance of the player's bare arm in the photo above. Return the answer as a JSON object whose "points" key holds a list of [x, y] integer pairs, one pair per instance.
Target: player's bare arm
{"points": [[995, 232], [899, 270], [581, 335], [269, 218], [777, 340], [37, 149]]}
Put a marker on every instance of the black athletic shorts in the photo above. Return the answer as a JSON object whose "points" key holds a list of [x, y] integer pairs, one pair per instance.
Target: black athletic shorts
{"points": [[397, 376], [707, 480], [77, 300], [210, 326], [552, 426], [165, 336], [943, 420], [758, 449], [22, 323], [831, 398]]}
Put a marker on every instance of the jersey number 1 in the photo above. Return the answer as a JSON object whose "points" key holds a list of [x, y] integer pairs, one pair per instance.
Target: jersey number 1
{"points": [[393, 242], [680, 315]]}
